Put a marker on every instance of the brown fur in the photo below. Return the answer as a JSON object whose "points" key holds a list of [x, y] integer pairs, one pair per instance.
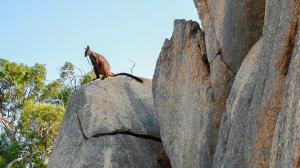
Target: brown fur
{"points": [[102, 67]]}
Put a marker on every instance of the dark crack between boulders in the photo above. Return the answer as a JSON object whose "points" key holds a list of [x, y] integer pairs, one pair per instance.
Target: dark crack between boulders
{"points": [[80, 127], [222, 59], [230, 69], [128, 132]]}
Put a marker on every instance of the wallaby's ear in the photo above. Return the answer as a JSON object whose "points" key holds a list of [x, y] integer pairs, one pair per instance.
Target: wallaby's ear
{"points": [[86, 50]]}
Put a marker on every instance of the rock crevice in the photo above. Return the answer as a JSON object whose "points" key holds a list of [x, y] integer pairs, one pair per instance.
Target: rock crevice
{"points": [[128, 132], [219, 54], [81, 128]]}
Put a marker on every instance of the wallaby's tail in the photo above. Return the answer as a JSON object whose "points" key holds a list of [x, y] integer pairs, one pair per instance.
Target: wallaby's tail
{"points": [[129, 75]]}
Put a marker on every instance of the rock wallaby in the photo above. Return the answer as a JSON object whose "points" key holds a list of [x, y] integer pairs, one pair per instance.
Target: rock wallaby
{"points": [[102, 67]]}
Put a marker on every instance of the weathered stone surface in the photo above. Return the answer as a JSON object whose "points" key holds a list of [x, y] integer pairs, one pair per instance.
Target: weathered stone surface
{"points": [[109, 123], [183, 98], [246, 134], [231, 29], [236, 117], [109, 151], [118, 106], [286, 142]]}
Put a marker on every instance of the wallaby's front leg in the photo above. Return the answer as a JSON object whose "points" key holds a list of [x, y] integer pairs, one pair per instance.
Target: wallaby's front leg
{"points": [[96, 73]]}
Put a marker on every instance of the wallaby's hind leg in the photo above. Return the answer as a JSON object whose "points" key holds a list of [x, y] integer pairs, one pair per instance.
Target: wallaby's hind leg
{"points": [[96, 73], [97, 76]]}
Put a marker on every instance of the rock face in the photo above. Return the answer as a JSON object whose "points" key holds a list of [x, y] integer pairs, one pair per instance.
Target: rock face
{"points": [[183, 97], [286, 142], [246, 134], [231, 29], [109, 123], [231, 98], [237, 119]]}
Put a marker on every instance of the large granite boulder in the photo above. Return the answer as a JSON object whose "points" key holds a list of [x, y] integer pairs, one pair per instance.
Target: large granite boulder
{"points": [[183, 98], [246, 134], [239, 99], [286, 141], [109, 123], [231, 99], [231, 29]]}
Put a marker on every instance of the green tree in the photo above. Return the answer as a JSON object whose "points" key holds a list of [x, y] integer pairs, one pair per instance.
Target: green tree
{"points": [[87, 78], [18, 84], [40, 124], [31, 111], [72, 78]]}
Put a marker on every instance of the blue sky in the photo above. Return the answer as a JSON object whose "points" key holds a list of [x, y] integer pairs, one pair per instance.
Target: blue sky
{"points": [[56, 31]]}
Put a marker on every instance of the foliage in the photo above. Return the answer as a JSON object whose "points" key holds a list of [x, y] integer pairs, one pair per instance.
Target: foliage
{"points": [[72, 77], [87, 78], [40, 125], [31, 111]]}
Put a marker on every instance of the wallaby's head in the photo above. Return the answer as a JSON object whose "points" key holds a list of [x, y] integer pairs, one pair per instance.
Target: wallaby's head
{"points": [[87, 51]]}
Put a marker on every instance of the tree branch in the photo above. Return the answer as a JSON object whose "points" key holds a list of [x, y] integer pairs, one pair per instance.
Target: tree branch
{"points": [[131, 69]]}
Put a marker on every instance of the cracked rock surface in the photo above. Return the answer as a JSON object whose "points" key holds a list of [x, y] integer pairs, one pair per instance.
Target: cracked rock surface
{"points": [[264, 96], [183, 98], [243, 110], [109, 123]]}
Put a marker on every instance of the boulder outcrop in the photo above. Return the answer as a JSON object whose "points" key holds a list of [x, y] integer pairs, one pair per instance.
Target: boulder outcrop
{"points": [[109, 123], [183, 97], [286, 141], [228, 95], [247, 131]]}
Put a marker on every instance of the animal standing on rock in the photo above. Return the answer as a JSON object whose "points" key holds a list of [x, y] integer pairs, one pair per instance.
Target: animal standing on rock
{"points": [[102, 67]]}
